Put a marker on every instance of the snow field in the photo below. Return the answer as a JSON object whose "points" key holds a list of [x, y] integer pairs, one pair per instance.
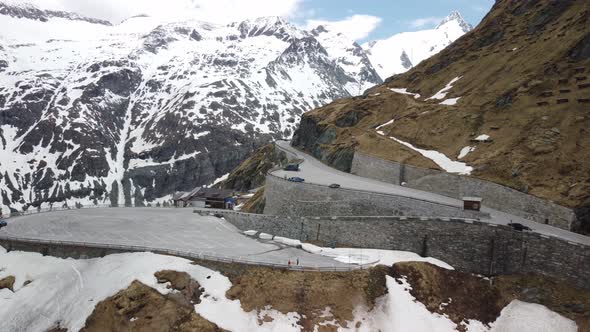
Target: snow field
{"points": [[67, 291]]}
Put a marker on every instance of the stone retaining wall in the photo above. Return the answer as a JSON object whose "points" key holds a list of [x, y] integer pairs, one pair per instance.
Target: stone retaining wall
{"points": [[494, 195], [285, 198], [468, 245]]}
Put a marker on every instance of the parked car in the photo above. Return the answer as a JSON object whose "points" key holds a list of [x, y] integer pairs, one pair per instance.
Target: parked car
{"points": [[292, 168], [296, 179], [3, 223], [334, 186], [519, 227]]}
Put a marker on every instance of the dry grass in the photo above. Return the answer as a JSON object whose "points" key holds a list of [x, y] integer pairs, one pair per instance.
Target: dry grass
{"points": [[309, 293], [142, 309]]}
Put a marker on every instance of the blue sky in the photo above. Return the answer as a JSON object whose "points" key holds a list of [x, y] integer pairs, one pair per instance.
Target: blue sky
{"points": [[360, 19], [396, 15]]}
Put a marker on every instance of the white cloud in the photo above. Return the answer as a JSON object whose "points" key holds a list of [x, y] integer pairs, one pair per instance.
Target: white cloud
{"points": [[425, 21], [355, 27], [207, 10]]}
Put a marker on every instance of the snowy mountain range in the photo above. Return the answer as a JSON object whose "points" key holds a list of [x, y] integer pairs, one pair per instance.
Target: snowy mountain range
{"points": [[403, 51], [96, 113]]}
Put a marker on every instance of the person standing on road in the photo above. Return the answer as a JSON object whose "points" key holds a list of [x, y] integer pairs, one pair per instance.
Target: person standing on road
{"points": [[297, 261]]}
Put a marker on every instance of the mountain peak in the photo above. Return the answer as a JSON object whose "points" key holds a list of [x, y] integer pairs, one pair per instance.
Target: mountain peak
{"points": [[270, 26], [26, 10], [456, 16]]}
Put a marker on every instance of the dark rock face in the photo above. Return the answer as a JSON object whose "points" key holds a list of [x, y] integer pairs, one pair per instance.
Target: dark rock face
{"points": [[406, 62], [549, 13], [583, 220], [310, 137], [307, 134], [580, 52], [350, 119]]}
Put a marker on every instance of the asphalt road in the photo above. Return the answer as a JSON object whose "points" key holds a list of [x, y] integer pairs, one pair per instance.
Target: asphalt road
{"points": [[314, 171], [157, 228]]}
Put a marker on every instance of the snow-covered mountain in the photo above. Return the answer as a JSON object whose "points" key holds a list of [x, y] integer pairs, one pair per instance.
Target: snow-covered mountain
{"points": [[401, 52], [92, 112]]}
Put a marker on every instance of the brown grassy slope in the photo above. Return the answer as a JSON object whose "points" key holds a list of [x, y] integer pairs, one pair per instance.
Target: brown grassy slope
{"points": [[520, 50], [141, 308], [251, 173], [309, 293], [256, 203]]}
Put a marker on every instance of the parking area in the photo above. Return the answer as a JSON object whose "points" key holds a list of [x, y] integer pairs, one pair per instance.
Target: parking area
{"points": [[172, 229]]}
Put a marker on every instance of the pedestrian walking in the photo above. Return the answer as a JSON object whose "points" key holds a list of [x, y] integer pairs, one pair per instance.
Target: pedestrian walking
{"points": [[297, 261]]}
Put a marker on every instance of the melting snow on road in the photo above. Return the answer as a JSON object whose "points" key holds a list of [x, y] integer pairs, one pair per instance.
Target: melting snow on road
{"points": [[372, 256], [405, 92], [465, 151], [442, 94]]}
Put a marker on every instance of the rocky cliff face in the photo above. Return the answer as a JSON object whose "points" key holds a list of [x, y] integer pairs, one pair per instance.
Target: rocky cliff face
{"points": [[92, 113], [507, 101]]}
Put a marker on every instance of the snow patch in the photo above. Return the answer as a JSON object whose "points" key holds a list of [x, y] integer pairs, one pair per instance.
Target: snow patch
{"points": [[482, 138], [287, 241], [442, 94], [450, 102], [218, 180], [373, 256], [385, 124], [465, 151], [67, 290], [265, 236], [438, 158], [528, 317], [405, 92]]}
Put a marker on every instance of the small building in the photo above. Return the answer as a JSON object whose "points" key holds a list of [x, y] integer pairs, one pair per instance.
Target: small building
{"points": [[206, 198], [472, 203]]}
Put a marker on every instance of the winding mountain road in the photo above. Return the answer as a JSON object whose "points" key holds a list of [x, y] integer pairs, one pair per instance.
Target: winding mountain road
{"points": [[316, 172]]}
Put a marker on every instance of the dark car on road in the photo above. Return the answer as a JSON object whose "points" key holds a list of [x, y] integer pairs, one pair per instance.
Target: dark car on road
{"points": [[296, 179], [334, 186], [292, 168], [3, 223], [519, 227]]}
